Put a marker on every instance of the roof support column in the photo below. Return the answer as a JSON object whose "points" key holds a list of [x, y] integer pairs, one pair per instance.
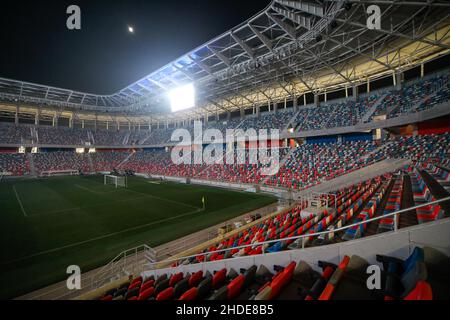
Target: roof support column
{"points": [[355, 93], [422, 70], [398, 80], [55, 119], [71, 120], [258, 111], [16, 115], [275, 107], [36, 117], [316, 99], [295, 103]]}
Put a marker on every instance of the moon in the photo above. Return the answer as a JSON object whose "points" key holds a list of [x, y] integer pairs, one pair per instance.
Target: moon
{"points": [[130, 29]]}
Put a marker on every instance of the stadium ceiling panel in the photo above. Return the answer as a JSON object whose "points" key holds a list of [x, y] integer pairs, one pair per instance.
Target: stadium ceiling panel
{"points": [[289, 48]]}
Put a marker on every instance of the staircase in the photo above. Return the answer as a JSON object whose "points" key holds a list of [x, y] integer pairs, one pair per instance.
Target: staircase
{"points": [[31, 164], [34, 135], [291, 122], [91, 137], [372, 109], [125, 160], [300, 124], [91, 163], [126, 138], [282, 163], [141, 142]]}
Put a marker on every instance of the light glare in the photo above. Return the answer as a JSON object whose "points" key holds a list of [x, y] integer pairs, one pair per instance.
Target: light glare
{"points": [[182, 98]]}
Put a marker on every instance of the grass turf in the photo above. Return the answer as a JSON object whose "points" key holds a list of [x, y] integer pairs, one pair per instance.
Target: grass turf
{"points": [[47, 225]]}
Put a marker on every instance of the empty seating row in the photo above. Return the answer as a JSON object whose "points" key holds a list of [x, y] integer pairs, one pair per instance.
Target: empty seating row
{"points": [[393, 204], [367, 213], [407, 279]]}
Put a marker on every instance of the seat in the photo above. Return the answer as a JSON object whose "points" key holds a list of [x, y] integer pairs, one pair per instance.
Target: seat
{"points": [[175, 278], [335, 279], [235, 287], [422, 291], [180, 288], [166, 294], [189, 295], [403, 276], [146, 294], [148, 284], [219, 278], [195, 278], [164, 284], [220, 294], [132, 293], [204, 288]]}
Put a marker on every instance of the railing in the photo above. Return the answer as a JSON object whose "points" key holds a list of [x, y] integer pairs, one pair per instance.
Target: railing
{"points": [[124, 264], [303, 237]]}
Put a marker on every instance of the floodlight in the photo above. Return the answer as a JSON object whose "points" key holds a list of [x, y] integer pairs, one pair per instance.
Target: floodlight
{"points": [[182, 98]]}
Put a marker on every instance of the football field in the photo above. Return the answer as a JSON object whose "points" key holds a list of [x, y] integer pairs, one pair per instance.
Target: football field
{"points": [[47, 225]]}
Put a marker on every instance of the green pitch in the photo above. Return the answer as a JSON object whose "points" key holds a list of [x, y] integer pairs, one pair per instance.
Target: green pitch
{"points": [[47, 225]]}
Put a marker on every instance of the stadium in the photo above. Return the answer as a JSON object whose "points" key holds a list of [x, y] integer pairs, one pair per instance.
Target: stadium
{"points": [[162, 189]]}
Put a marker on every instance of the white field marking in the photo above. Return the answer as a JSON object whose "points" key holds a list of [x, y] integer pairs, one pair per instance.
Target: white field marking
{"points": [[92, 191], [102, 237], [154, 182], [20, 202], [83, 207], [163, 199]]}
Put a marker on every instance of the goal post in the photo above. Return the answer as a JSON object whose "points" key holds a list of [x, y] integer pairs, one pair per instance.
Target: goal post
{"points": [[115, 181]]}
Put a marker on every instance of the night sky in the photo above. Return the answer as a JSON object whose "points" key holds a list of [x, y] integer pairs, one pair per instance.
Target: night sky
{"points": [[103, 56]]}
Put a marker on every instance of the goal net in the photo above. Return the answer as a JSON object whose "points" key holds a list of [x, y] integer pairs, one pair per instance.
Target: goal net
{"points": [[115, 181]]}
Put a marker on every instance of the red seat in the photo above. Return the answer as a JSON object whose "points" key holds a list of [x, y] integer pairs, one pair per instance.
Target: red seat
{"points": [[144, 295], [175, 279], [219, 278], [147, 284], [189, 295], [165, 295], [195, 278], [235, 287], [138, 279], [107, 298], [422, 291], [134, 285], [281, 280]]}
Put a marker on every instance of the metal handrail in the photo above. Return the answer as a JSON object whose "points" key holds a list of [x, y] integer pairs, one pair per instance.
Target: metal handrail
{"points": [[303, 236]]}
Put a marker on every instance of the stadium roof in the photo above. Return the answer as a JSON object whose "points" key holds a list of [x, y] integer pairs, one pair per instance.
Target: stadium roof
{"points": [[288, 49]]}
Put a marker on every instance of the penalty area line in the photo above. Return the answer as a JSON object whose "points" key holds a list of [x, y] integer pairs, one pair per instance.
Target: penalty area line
{"points": [[20, 202]]}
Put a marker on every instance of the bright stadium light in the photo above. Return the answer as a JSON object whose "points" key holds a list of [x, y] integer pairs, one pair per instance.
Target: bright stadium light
{"points": [[182, 98]]}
